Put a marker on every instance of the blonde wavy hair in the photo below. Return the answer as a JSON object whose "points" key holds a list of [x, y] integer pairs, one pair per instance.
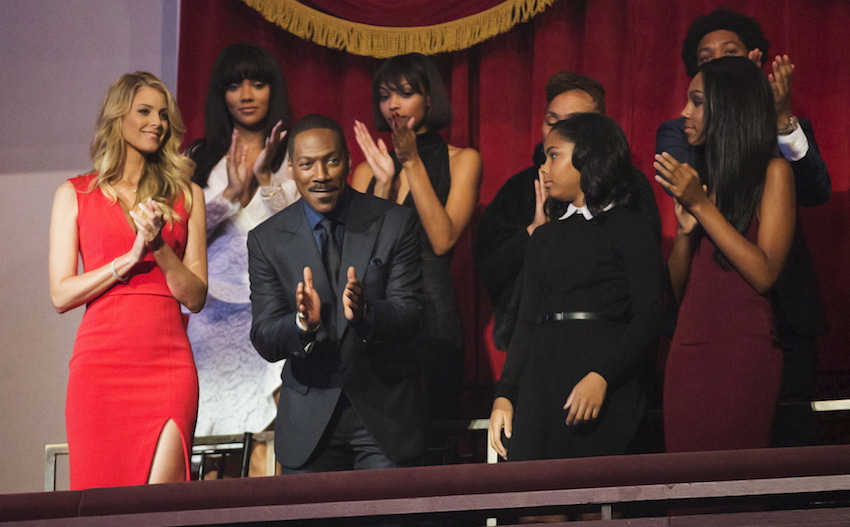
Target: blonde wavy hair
{"points": [[167, 174]]}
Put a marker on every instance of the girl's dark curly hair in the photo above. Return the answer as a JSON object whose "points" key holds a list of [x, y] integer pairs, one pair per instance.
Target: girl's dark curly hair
{"points": [[601, 154]]}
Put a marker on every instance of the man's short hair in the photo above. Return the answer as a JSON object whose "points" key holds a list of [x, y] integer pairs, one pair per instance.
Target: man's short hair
{"points": [[747, 29], [315, 121], [565, 81]]}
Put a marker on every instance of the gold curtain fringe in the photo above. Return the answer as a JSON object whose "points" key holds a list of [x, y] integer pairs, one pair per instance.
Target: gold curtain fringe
{"points": [[383, 42]]}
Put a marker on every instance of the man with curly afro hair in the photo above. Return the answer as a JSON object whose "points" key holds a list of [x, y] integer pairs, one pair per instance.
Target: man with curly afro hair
{"points": [[744, 37], [797, 304]]}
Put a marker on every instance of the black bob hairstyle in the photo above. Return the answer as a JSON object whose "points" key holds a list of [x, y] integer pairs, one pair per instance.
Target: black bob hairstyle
{"points": [[747, 29], [601, 154], [236, 63], [424, 79]]}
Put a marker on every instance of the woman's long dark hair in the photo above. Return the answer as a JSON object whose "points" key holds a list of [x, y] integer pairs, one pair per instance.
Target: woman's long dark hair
{"points": [[234, 64], [601, 154], [739, 128]]}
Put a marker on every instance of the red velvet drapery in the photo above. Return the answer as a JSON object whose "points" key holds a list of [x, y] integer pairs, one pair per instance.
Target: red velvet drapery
{"points": [[631, 46]]}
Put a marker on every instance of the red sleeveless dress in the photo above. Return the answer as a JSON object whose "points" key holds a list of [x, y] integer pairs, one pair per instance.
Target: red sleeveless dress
{"points": [[132, 368], [725, 365]]}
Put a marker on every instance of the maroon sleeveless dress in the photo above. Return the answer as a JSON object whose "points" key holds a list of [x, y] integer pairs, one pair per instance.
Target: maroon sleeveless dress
{"points": [[132, 368], [725, 365]]}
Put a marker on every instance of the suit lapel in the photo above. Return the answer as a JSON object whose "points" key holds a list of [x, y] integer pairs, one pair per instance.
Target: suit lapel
{"points": [[361, 233]]}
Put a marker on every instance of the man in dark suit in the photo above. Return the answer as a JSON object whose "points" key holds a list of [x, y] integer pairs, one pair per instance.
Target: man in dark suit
{"points": [[797, 304], [335, 290]]}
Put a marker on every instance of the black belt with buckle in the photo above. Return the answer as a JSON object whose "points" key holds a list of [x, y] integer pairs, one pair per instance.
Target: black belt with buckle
{"points": [[561, 316]]}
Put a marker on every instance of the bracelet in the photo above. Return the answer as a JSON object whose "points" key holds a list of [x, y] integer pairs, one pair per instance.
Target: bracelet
{"points": [[793, 123], [119, 278], [268, 191]]}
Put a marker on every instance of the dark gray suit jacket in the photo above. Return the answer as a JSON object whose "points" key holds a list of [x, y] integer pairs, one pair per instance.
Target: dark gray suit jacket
{"points": [[378, 373]]}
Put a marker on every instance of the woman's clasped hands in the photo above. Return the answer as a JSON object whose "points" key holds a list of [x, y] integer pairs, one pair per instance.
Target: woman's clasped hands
{"points": [[684, 184], [378, 156], [148, 217]]}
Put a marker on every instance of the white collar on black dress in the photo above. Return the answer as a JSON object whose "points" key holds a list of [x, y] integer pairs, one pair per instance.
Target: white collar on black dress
{"points": [[583, 210]]}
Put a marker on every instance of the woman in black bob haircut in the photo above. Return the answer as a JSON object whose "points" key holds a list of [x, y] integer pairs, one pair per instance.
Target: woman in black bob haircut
{"points": [[441, 182]]}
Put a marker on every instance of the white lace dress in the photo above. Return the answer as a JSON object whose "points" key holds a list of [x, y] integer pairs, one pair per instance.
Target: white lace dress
{"points": [[236, 385]]}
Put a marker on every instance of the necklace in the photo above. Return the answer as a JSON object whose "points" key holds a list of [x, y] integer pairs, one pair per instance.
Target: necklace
{"points": [[129, 187]]}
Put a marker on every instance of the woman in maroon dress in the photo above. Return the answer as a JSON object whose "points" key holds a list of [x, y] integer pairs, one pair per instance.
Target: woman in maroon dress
{"points": [[736, 214], [137, 222]]}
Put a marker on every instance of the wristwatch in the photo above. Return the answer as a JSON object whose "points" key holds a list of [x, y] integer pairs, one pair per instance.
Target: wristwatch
{"points": [[301, 323], [793, 124]]}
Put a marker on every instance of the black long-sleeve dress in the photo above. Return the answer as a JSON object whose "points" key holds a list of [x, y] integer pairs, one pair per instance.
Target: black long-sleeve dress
{"points": [[612, 266]]}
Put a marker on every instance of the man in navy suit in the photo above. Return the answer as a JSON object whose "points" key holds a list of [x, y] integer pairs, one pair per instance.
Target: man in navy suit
{"points": [[797, 304], [335, 290]]}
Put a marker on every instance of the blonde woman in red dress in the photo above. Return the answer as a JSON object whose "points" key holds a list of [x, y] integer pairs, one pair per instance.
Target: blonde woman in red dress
{"points": [[137, 223]]}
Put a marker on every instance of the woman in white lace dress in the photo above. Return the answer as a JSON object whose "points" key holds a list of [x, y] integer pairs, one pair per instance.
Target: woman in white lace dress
{"points": [[241, 168]]}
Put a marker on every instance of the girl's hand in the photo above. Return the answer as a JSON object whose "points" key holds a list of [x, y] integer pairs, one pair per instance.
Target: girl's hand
{"points": [[376, 155], [681, 180], [586, 398], [149, 221], [404, 139], [502, 416], [239, 174], [263, 165], [540, 197]]}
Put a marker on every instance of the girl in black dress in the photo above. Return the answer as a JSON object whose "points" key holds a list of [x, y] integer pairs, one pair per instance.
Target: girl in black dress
{"points": [[590, 306]]}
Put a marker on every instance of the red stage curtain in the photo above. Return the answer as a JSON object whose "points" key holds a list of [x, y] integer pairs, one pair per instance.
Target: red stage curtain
{"points": [[631, 46]]}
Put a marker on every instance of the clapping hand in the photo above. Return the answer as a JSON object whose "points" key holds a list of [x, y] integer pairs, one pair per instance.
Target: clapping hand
{"points": [[308, 303], [263, 165], [149, 220], [376, 155], [755, 55], [687, 221], [681, 180], [780, 81], [404, 139], [239, 172], [353, 303]]}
